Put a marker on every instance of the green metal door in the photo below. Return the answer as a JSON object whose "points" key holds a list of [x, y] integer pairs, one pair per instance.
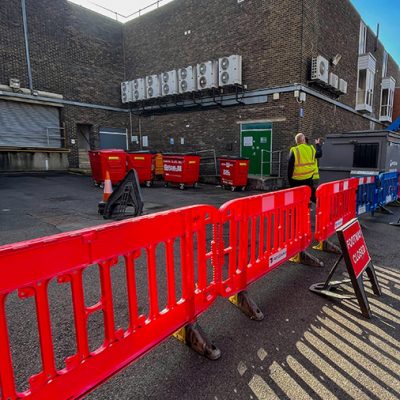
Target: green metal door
{"points": [[256, 145]]}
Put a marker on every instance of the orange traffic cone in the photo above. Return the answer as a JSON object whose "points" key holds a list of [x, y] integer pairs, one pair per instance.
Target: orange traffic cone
{"points": [[107, 188]]}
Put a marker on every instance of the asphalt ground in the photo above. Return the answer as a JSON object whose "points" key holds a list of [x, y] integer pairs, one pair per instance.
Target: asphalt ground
{"points": [[306, 347]]}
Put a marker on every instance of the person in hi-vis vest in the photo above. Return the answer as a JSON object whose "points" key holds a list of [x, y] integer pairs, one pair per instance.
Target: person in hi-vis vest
{"points": [[302, 163]]}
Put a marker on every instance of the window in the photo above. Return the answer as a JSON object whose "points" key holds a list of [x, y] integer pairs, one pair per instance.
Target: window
{"points": [[362, 46], [387, 97], [365, 90], [366, 155], [385, 64], [365, 82]]}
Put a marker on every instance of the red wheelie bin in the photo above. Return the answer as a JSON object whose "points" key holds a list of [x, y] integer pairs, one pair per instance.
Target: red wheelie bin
{"points": [[181, 169], [234, 172], [144, 164], [112, 160]]}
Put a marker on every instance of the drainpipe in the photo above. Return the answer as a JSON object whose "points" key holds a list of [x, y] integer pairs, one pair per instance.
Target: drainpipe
{"points": [[28, 59], [130, 126]]}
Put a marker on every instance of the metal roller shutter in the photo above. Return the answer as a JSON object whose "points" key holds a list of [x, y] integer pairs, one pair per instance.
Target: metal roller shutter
{"points": [[29, 125]]}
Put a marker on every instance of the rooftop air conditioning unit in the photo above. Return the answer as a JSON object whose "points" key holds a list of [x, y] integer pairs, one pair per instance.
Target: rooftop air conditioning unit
{"points": [[153, 87], [207, 75], [343, 86], [333, 80], [126, 92], [230, 70], [169, 83], [139, 89], [320, 69], [187, 80]]}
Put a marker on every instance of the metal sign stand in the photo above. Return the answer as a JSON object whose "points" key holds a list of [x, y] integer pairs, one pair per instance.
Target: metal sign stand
{"points": [[395, 223], [328, 288], [127, 194]]}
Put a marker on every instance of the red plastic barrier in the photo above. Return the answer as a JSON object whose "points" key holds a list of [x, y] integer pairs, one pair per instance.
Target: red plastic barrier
{"points": [[262, 232], [29, 267], [336, 205]]}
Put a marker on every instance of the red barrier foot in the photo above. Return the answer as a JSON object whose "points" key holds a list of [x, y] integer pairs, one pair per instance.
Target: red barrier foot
{"points": [[307, 259], [193, 336], [328, 247], [246, 304]]}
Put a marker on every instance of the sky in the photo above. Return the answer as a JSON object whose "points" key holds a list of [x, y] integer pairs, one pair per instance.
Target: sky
{"points": [[386, 12], [123, 7]]}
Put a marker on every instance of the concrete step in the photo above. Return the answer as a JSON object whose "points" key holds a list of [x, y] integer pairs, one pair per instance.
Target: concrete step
{"points": [[267, 183], [254, 182]]}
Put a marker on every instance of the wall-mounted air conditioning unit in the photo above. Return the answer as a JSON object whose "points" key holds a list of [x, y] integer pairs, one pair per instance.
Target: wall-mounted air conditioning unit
{"points": [[230, 70], [343, 86], [126, 92], [207, 75], [320, 69], [333, 80], [139, 89], [169, 83], [187, 81], [153, 86]]}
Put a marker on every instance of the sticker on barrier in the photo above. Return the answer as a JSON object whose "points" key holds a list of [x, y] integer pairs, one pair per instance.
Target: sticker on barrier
{"points": [[336, 205], [366, 199], [260, 233], [387, 190], [167, 274]]}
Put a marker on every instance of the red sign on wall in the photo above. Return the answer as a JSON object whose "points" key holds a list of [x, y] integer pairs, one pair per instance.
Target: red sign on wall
{"points": [[353, 239]]}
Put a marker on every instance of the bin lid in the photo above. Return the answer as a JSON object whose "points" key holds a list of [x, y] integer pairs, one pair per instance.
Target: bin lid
{"points": [[233, 158], [107, 151], [180, 154], [142, 152]]}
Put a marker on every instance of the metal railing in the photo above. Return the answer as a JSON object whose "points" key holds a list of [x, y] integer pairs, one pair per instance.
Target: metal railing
{"points": [[208, 162], [275, 162], [51, 137]]}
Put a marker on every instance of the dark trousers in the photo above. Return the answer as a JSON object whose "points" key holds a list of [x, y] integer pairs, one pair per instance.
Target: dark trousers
{"points": [[304, 182]]}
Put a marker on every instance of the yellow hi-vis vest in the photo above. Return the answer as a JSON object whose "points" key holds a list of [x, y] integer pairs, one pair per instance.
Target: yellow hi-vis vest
{"points": [[304, 162]]}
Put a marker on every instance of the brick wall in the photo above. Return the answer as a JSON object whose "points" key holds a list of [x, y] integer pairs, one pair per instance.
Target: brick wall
{"points": [[283, 36], [73, 51], [265, 33], [12, 51], [322, 118]]}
